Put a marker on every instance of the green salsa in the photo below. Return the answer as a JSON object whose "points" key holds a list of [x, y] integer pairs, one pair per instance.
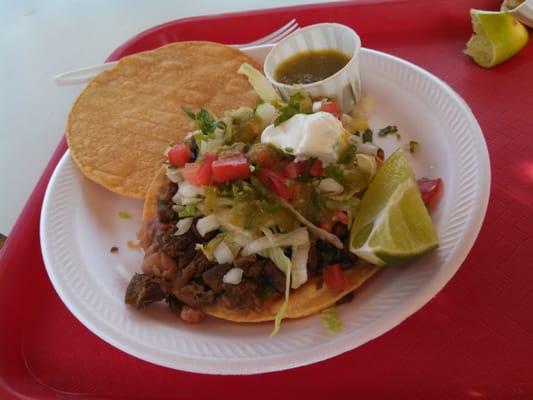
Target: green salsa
{"points": [[310, 66]]}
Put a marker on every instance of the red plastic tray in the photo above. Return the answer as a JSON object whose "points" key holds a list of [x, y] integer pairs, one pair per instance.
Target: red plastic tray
{"points": [[473, 340]]}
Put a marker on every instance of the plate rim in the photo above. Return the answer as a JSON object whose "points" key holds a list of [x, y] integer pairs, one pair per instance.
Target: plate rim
{"points": [[333, 347]]}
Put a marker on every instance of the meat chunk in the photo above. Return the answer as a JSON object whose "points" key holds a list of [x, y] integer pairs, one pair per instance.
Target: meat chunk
{"points": [[195, 268], [312, 260], [244, 261], [254, 270], [340, 230], [194, 295], [164, 203], [143, 290], [213, 276], [274, 276], [173, 245], [243, 295]]}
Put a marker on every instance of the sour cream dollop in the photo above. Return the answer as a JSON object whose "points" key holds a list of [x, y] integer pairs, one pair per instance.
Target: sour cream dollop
{"points": [[319, 135]]}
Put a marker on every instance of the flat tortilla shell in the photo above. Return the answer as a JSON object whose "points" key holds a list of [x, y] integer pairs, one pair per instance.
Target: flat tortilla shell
{"points": [[310, 298], [121, 123]]}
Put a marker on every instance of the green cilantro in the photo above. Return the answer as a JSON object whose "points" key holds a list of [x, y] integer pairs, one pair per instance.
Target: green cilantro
{"points": [[297, 104], [124, 215], [388, 129], [189, 211], [288, 150], [367, 136], [335, 172], [204, 121], [270, 207], [348, 154], [317, 200], [413, 146]]}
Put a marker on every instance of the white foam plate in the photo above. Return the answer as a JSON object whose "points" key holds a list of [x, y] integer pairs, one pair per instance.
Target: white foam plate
{"points": [[80, 223]]}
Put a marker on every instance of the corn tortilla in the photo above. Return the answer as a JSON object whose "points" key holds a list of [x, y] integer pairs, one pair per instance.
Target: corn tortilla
{"points": [[121, 123], [306, 300]]}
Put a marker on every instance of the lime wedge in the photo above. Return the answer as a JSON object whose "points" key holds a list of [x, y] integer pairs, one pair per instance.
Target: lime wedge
{"points": [[497, 37], [392, 224]]}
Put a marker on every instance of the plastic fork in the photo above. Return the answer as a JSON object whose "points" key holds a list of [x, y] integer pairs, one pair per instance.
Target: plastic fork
{"points": [[85, 74]]}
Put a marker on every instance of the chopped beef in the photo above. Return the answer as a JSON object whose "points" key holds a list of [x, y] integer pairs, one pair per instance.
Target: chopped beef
{"points": [[194, 269], [186, 257], [340, 230], [174, 304], [312, 259], [194, 295], [254, 270], [213, 276], [174, 245], [329, 254], [274, 276], [203, 264], [167, 191], [164, 203], [143, 290], [244, 261], [243, 295], [194, 150]]}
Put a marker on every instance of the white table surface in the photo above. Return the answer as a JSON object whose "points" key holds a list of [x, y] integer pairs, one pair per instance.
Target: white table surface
{"points": [[40, 38]]}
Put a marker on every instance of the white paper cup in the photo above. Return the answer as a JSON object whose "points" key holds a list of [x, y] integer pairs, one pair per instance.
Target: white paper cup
{"points": [[523, 13], [344, 85]]}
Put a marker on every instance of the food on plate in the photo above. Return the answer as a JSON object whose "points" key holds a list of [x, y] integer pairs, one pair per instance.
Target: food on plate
{"points": [[497, 37], [249, 220], [123, 120]]}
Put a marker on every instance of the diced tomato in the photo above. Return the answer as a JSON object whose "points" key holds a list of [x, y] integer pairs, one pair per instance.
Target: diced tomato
{"points": [[230, 169], [179, 155], [294, 169], [341, 217], [334, 277], [199, 174], [316, 168], [331, 107], [276, 182], [430, 190]]}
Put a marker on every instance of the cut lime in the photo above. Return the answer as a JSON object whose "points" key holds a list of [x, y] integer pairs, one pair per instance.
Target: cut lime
{"points": [[497, 37], [392, 224]]}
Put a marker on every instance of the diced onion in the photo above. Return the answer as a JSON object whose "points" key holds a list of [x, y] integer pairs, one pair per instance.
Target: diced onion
{"points": [[207, 224], [233, 276], [183, 226], [186, 189], [223, 254], [317, 106], [330, 185], [266, 112]]}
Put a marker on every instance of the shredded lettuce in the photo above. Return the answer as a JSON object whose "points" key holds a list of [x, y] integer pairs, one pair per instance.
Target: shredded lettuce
{"points": [[284, 264], [260, 83], [209, 248], [320, 233], [300, 255], [331, 321], [294, 238]]}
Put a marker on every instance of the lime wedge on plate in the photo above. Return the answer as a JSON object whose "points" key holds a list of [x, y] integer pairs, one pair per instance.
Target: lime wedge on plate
{"points": [[497, 37], [392, 224]]}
